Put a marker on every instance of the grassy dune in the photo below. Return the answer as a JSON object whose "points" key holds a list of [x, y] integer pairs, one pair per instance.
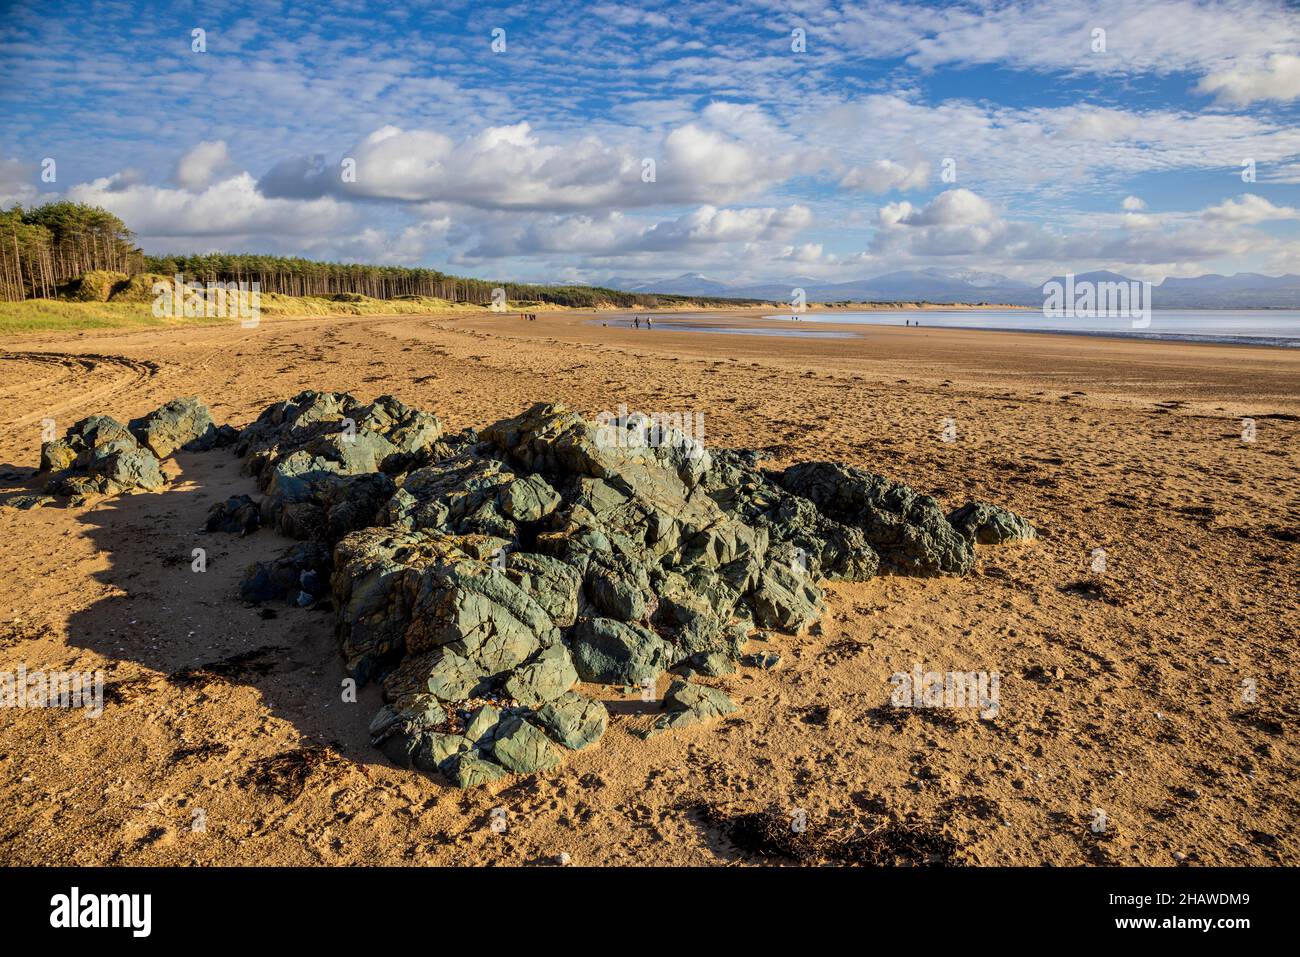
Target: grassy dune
{"points": [[61, 315]]}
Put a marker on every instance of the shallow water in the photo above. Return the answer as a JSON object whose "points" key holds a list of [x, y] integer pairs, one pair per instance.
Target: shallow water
{"points": [[1273, 327], [774, 330]]}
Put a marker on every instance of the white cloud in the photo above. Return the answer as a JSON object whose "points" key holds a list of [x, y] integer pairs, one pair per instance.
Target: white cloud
{"points": [[616, 234], [1277, 78], [17, 182], [512, 168], [803, 253], [955, 207], [959, 226], [1095, 123], [230, 208], [203, 165], [1051, 151], [1134, 204], [1248, 209], [1155, 36], [884, 175]]}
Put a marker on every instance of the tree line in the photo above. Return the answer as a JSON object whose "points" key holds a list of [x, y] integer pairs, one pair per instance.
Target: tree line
{"points": [[294, 276], [45, 248]]}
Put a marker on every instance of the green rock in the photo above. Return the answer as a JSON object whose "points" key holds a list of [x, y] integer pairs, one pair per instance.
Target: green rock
{"points": [[433, 749], [986, 524], [548, 675], [399, 748], [178, 423], [713, 664], [125, 470], [482, 724], [523, 748], [614, 652], [574, 720], [451, 677], [909, 530], [701, 699], [528, 499], [57, 455], [553, 584], [766, 660], [471, 769], [24, 502], [618, 587], [691, 704], [786, 599], [453, 494], [548, 550]]}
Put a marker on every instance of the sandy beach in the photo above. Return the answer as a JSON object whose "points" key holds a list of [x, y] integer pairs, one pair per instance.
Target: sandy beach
{"points": [[1160, 692]]}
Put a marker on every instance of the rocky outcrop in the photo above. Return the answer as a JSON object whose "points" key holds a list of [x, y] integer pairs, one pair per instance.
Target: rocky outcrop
{"points": [[482, 578], [100, 456]]}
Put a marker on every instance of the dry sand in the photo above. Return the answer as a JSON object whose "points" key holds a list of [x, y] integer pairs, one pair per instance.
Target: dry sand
{"points": [[1120, 692]]}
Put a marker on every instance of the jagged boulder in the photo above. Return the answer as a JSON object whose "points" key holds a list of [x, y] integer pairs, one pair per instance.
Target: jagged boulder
{"points": [[786, 598], [459, 495], [522, 747], [302, 452], [616, 652], [123, 469], [908, 530], [690, 704], [991, 524], [543, 678], [471, 769], [180, 423], [797, 531], [554, 584], [99, 455], [574, 720]]}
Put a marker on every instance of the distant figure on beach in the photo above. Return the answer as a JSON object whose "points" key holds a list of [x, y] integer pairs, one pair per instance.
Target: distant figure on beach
{"points": [[637, 322], [649, 322]]}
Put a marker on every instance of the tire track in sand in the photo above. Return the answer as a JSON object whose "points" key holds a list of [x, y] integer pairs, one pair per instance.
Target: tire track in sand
{"points": [[69, 380]]}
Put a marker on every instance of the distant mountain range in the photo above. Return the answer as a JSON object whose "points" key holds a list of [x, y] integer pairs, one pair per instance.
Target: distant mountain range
{"points": [[1240, 291]]}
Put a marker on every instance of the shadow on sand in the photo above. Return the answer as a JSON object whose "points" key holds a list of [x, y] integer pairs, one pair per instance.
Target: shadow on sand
{"points": [[188, 629]]}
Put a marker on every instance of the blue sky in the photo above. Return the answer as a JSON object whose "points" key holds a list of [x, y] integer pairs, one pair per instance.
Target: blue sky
{"points": [[769, 161]]}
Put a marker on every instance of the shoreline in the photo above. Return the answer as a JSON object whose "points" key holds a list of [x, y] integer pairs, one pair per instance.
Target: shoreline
{"points": [[841, 331]]}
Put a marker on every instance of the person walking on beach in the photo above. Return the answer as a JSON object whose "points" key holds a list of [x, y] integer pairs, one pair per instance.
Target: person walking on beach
{"points": [[637, 322], [649, 322]]}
